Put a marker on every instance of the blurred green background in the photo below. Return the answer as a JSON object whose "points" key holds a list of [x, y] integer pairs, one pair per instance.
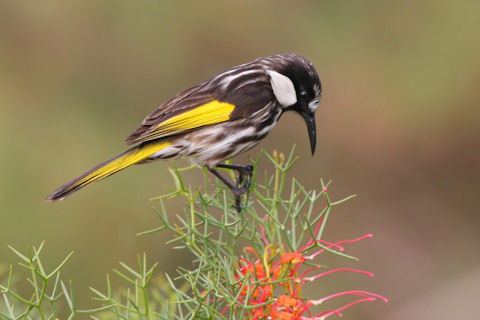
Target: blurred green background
{"points": [[399, 125]]}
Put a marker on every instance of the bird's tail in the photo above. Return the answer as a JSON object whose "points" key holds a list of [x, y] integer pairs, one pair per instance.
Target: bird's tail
{"points": [[109, 167]]}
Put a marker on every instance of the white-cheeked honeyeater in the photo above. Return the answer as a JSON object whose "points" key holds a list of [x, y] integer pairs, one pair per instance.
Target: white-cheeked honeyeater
{"points": [[219, 119]]}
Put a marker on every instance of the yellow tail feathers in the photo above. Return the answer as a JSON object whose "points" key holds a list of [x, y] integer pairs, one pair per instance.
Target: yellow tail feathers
{"points": [[107, 168]]}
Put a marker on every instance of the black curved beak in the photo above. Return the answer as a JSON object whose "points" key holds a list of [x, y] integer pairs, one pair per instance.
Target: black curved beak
{"points": [[309, 118]]}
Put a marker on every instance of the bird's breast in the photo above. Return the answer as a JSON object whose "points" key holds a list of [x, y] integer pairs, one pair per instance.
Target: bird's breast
{"points": [[216, 143]]}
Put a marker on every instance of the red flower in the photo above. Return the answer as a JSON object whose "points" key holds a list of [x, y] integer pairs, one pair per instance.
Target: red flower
{"points": [[262, 278]]}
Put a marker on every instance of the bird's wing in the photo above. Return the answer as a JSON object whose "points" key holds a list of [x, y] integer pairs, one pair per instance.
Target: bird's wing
{"points": [[203, 105]]}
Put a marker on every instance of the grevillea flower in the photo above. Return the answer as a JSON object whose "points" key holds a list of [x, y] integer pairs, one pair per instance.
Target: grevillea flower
{"points": [[271, 282]]}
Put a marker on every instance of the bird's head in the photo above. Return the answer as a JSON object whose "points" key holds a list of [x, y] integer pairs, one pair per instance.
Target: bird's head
{"points": [[296, 86]]}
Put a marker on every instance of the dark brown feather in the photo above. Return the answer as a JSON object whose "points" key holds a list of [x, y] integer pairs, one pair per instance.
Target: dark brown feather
{"points": [[247, 99]]}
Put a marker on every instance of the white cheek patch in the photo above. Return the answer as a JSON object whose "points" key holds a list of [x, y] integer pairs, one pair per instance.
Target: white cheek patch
{"points": [[283, 88]]}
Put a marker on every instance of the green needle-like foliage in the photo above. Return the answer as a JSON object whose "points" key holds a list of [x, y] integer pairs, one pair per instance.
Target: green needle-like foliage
{"points": [[280, 218], [48, 296]]}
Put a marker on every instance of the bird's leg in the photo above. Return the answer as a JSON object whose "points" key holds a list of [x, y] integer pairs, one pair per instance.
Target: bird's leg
{"points": [[237, 192], [244, 174], [242, 184]]}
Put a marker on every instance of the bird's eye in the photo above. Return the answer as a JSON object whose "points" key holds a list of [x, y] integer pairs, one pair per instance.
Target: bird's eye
{"points": [[303, 93]]}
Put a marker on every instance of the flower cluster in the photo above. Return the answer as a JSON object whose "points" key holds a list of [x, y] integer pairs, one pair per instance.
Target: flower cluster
{"points": [[271, 282]]}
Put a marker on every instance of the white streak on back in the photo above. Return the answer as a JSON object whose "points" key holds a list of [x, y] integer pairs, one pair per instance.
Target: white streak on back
{"points": [[228, 79]]}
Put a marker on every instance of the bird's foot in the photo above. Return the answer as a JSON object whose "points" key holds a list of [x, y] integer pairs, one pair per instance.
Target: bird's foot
{"points": [[242, 184], [241, 190], [245, 177]]}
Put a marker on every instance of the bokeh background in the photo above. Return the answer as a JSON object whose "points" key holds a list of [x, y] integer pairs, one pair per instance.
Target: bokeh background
{"points": [[399, 125]]}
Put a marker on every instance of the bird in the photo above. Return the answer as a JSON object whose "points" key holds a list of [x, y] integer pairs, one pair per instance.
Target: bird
{"points": [[219, 119]]}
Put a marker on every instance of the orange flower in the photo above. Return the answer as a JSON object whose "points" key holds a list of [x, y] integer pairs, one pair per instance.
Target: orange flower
{"points": [[280, 272], [287, 301], [292, 257]]}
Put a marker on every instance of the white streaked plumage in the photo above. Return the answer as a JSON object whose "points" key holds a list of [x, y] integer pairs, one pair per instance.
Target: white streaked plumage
{"points": [[228, 79], [313, 105], [204, 151]]}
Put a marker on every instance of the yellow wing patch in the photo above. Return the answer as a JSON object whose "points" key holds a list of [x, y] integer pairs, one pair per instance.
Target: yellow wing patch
{"points": [[207, 114]]}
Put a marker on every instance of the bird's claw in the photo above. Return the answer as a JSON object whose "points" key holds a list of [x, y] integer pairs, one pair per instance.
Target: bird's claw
{"points": [[244, 182]]}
